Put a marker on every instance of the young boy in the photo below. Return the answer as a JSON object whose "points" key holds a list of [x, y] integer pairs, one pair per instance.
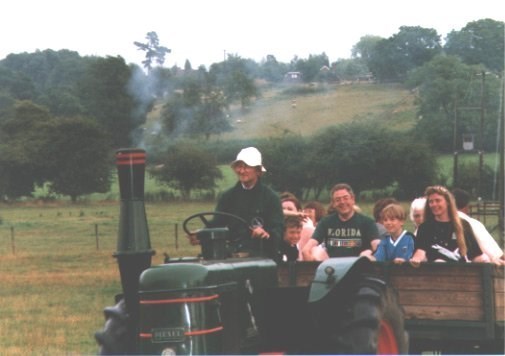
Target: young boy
{"points": [[398, 244], [292, 233]]}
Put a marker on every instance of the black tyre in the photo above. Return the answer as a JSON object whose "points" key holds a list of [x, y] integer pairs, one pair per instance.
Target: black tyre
{"points": [[116, 337], [374, 321]]}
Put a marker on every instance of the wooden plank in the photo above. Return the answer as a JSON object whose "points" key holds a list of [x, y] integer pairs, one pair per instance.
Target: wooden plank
{"points": [[438, 270], [500, 314], [499, 299], [499, 293], [454, 283], [304, 273], [499, 271], [443, 312], [440, 298], [499, 284]]}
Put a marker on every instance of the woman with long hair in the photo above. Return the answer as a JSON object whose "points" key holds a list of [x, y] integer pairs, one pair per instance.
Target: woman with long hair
{"points": [[443, 236]]}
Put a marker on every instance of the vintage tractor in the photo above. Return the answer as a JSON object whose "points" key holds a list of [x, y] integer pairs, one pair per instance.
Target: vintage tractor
{"points": [[213, 304]]}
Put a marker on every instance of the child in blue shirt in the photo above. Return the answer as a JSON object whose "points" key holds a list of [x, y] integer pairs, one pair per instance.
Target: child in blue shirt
{"points": [[398, 245]]}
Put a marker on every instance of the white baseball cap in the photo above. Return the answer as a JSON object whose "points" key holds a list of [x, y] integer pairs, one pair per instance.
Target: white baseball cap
{"points": [[250, 156]]}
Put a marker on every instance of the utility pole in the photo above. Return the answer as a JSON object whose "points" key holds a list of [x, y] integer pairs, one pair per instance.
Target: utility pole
{"points": [[454, 147], [481, 139], [501, 173]]}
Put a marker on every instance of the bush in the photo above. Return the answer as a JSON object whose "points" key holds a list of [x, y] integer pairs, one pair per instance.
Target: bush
{"points": [[468, 179]]}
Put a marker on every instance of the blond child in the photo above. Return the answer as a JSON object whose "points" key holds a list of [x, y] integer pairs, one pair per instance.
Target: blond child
{"points": [[398, 244]]}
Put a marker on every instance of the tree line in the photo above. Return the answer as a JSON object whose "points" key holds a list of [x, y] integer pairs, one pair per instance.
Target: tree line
{"points": [[61, 115]]}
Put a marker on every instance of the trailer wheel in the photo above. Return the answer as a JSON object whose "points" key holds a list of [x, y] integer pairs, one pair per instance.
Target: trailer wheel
{"points": [[115, 338], [375, 321]]}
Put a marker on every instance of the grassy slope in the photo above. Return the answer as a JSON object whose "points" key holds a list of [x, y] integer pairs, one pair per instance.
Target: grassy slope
{"points": [[273, 114]]}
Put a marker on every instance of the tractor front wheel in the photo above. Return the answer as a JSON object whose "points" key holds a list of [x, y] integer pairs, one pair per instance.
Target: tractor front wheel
{"points": [[375, 321], [115, 338]]}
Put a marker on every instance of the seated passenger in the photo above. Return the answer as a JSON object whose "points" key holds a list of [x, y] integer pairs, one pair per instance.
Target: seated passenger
{"points": [[292, 232], [291, 206], [417, 212], [314, 210], [443, 236], [486, 242], [343, 233], [398, 244], [377, 209]]}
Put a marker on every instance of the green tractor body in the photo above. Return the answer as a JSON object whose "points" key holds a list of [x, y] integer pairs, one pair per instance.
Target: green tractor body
{"points": [[202, 307]]}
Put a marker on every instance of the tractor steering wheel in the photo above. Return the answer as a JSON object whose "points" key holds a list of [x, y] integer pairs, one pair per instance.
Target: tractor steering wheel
{"points": [[206, 223]]}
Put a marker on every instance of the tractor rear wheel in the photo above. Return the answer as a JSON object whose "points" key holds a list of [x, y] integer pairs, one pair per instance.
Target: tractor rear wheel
{"points": [[374, 321], [115, 338]]}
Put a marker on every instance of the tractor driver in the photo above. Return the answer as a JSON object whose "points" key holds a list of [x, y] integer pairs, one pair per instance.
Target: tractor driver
{"points": [[254, 202]]}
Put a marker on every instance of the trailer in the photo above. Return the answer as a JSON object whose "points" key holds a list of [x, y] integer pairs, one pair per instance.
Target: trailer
{"points": [[449, 307]]}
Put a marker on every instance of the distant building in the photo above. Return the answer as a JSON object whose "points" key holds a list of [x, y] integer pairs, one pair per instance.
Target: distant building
{"points": [[369, 78], [293, 77]]}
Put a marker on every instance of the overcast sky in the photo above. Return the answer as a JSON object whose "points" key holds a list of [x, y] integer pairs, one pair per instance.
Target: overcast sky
{"points": [[203, 31]]}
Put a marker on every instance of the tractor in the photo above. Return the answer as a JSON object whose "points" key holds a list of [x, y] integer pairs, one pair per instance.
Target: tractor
{"points": [[217, 304]]}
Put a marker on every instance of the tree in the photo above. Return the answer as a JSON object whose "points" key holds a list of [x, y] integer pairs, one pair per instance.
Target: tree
{"points": [[187, 66], [449, 90], [186, 168], [233, 77], [365, 47], [21, 142], [311, 67], [16, 84], [78, 156], [479, 42], [412, 46], [198, 110], [105, 96], [285, 158], [340, 155], [349, 69], [72, 155], [470, 176], [272, 70], [153, 50], [62, 101]]}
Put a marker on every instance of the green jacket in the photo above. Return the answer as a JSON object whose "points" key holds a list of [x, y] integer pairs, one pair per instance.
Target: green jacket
{"points": [[259, 203]]}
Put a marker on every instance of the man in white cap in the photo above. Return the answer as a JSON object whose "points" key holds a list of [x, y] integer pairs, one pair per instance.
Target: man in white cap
{"points": [[254, 202]]}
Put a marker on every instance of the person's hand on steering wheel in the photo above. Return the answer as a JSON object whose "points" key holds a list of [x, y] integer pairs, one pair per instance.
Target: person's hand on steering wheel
{"points": [[193, 240], [259, 233]]}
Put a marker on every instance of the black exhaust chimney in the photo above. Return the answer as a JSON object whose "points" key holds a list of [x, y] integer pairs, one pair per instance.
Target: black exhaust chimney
{"points": [[133, 244]]}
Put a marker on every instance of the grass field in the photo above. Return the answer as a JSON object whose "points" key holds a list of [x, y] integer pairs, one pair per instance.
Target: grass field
{"points": [[55, 282], [58, 273]]}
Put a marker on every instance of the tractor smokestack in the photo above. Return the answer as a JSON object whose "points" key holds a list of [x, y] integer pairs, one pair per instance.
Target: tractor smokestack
{"points": [[133, 244]]}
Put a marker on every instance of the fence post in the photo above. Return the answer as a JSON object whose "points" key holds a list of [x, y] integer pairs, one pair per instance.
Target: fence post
{"points": [[176, 227], [96, 237], [13, 242]]}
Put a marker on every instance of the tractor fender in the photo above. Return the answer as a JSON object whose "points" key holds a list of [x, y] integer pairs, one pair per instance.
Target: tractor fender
{"points": [[331, 272]]}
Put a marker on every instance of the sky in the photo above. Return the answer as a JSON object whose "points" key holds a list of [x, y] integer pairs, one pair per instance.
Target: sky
{"points": [[206, 31]]}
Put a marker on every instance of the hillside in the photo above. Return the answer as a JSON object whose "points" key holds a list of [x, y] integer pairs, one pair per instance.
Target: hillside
{"points": [[279, 110]]}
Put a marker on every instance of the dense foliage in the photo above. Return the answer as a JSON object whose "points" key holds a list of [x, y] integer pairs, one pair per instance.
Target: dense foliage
{"points": [[186, 168], [58, 108], [365, 155]]}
